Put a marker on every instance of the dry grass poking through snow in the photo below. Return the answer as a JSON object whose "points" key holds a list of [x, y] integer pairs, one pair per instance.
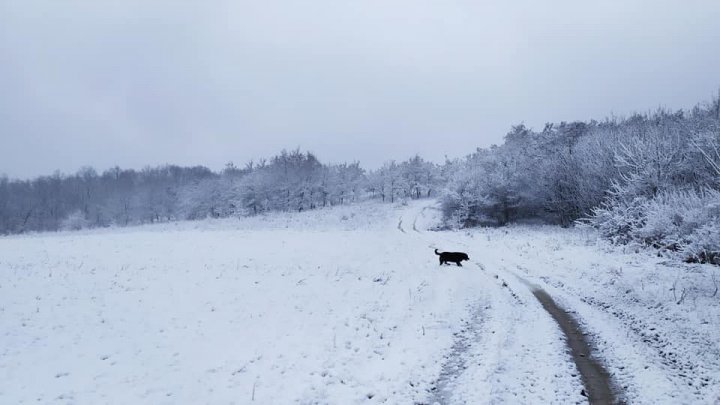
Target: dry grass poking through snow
{"points": [[339, 306]]}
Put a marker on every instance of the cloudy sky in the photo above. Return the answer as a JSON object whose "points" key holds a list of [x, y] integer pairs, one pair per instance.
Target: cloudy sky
{"points": [[142, 82]]}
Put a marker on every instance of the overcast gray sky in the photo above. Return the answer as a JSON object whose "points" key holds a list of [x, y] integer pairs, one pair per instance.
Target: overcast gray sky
{"points": [[141, 82]]}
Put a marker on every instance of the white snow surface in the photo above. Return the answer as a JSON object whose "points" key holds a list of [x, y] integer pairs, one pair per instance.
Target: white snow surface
{"points": [[341, 306]]}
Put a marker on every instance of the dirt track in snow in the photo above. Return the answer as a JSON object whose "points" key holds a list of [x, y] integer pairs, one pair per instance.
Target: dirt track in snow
{"points": [[595, 378], [598, 388], [214, 311]]}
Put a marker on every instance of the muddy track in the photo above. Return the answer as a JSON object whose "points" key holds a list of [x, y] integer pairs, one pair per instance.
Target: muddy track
{"points": [[596, 380], [594, 376]]}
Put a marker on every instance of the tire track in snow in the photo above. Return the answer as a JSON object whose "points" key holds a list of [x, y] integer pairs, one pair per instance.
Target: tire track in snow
{"points": [[596, 379], [478, 358], [662, 349], [422, 213], [512, 352], [457, 358]]}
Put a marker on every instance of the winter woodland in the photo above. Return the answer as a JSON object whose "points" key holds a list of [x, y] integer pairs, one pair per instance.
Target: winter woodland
{"points": [[652, 179]]}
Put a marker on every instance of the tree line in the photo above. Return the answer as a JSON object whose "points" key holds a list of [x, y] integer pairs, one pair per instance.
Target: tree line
{"points": [[289, 181], [650, 178]]}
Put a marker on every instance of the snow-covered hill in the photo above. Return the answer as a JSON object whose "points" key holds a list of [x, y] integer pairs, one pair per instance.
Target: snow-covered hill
{"points": [[345, 305]]}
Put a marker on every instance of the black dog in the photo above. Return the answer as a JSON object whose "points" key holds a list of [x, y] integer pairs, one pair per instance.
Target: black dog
{"points": [[455, 257]]}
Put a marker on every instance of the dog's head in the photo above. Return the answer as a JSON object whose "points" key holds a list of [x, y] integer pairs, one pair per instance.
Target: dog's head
{"points": [[465, 256]]}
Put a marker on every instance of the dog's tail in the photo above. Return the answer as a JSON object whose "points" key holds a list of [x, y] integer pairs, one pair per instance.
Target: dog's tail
{"points": [[436, 252]]}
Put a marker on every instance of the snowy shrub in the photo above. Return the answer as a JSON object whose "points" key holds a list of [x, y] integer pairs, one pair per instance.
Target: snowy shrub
{"points": [[703, 245], [685, 221], [671, 216], [468, 202], [618, 220], [457, 212], [74, 221]]}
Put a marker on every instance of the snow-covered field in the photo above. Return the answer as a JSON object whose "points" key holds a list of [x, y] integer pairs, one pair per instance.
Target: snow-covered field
{"points": [[345, 305], [654, 323]]}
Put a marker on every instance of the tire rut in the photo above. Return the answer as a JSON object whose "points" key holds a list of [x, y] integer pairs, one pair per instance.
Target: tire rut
{"points": [[596, 379], [456, 360]]}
